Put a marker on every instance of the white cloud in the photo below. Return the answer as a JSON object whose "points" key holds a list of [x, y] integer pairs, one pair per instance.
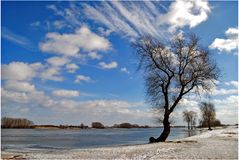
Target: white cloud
{"points": [[72, 67], [229, 44], [125, 70], [185, 13], [104, 32], [224, 91], [51, 73], [66, 93], [232, 83], [110, 65], [80, 78], [30, 98], [17, 71], [57, 61], [227, 109], [19, 86], [232, 33], [72, 44], [106, 111], [94, 55], [59, 24], [72, 111], [51, 70]]}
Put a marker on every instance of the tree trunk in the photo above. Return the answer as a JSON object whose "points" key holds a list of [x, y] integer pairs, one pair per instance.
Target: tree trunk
{"points": [[166, 130], [209, 125]]}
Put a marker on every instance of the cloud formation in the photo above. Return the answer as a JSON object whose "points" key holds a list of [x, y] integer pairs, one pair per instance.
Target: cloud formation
{"points": [[72, 111], [72, 67], [66, 93], [185, 13], [19, 86], [82, 78], [125, 70], [17, 39], [18, 71], [232, 83], [94, 55], [228, 45], [57, 61], [110, 65], [134, 19], [72, 44]]}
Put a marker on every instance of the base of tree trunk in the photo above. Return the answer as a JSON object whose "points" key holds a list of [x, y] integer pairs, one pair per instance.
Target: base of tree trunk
{"points": [[155, 140]]}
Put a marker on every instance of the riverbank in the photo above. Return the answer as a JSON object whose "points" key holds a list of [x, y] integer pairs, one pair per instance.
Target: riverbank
{"points": [[215, 144]]}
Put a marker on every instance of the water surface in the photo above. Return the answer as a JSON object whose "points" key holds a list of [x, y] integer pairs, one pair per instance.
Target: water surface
{"points": [[86, 138]]}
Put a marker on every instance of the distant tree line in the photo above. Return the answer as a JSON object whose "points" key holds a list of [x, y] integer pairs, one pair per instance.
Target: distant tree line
{"points": [[81, 126], [97, 125], [128, 125], [25, 123], [121, 125], [214, 123], [7, 122]]}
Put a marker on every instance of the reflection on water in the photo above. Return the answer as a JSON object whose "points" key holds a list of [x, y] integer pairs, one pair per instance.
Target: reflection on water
{"points": [[87, 138], [192, 132]]}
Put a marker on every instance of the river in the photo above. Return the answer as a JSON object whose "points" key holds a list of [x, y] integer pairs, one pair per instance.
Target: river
{"points": [[85, 138]]}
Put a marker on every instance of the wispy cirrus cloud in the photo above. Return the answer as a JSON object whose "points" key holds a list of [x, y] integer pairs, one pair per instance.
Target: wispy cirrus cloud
{"points": [[127, 18], [17, 39], [70, 15], [134, 19]]}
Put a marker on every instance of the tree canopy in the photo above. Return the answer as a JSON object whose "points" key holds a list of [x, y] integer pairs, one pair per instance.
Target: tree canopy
{"points": [[172, 70]]}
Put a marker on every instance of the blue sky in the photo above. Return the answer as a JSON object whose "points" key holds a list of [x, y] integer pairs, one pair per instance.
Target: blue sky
{"points": [[72, 62]]}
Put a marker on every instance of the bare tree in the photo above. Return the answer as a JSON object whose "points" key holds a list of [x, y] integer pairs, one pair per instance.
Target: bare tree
{"points": [[190, 118], [193, 119], [172, 70], [208, 113]]}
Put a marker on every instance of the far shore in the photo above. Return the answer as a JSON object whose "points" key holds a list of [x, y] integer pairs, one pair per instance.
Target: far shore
{"points": [[106, 127], [220, 143]]}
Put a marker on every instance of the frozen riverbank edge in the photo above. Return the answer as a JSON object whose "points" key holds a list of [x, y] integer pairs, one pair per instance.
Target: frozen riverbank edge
{"points": [[216, 144]]}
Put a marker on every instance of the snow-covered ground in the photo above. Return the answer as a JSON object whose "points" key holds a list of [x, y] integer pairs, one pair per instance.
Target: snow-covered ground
{"points": [[216, 144]]}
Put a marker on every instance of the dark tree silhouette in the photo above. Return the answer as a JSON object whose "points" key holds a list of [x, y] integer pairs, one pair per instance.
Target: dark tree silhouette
{"points": [[7, 122], [208, 113], [97, 125], [190, 118], [172, 70]]}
